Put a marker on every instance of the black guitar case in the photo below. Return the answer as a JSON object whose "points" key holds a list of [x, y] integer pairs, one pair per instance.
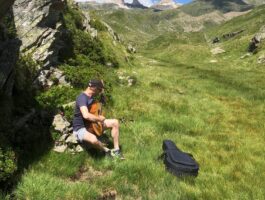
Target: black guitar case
{"points": [[178, 162]]}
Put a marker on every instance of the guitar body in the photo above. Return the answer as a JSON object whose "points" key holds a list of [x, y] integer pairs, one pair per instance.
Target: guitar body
{"points": [[95, 127]]}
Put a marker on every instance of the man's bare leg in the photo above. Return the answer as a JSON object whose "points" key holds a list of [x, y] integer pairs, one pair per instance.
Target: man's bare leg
{"points": [[92, 139], [113, 124]]}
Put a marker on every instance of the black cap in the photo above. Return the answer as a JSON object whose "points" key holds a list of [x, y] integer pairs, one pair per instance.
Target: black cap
{"points": [[96, 83]]}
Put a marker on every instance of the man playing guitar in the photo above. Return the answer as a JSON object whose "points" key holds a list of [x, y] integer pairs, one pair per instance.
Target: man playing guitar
{"points": [[83, 116]]}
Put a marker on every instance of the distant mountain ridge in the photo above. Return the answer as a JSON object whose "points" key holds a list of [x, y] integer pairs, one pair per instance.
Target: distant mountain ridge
{"points": [[201, 7], [254, 2], [119, 3]]}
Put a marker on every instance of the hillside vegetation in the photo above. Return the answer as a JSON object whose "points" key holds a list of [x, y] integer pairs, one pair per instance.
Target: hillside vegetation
{"points": [[148, 24], [211, 105], [199, 7]]}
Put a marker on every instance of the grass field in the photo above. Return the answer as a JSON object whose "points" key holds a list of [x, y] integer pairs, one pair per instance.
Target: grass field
{"points": [[215, 111]]}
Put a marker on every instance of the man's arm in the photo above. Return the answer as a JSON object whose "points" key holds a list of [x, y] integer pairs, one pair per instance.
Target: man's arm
{"points": [[90, 117]]}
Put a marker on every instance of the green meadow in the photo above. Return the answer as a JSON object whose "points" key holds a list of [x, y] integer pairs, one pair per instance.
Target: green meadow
{"points": [[211, 106]]}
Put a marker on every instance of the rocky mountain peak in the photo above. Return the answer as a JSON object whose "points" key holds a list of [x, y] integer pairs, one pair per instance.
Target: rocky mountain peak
{"points": [[135, 4]]}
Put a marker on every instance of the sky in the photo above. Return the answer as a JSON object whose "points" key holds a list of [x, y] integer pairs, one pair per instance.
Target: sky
{"points": [[144, 2]]}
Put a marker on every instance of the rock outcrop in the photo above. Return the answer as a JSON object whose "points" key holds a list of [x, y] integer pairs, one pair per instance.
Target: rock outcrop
{"points": [[38, 27], [35, 27], [165, 5], [67, 141], [256, 40]]}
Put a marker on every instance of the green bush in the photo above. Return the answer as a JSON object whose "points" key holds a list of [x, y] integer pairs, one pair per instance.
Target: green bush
{"points": [[25, 72], [73, 18], [91, 47], [82, 44], [7, 155], [79, 76], [96, 24], [7, 163], [56, 97]]}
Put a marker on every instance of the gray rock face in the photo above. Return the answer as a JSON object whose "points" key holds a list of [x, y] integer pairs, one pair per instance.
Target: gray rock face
{"points": [[114, 35], [38, 24], [37, 29], [61, 124], [256, 40], [93, 32], [260, 36], [67, 140], [48, 78]]}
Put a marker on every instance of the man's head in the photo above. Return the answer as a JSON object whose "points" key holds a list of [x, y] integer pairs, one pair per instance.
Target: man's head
{"points": [[96, 86]]}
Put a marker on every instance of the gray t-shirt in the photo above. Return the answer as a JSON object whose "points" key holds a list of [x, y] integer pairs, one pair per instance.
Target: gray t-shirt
{"points": [[81, 100]]}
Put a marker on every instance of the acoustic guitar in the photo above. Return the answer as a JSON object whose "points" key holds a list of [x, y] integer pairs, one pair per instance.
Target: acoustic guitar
{"points": [[96, 109]]}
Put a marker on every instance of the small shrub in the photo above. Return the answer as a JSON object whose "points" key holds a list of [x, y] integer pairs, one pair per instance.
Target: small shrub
{"points": [[98, 25], [73, 18], [82, 45], [56, 97], [7, 163], [26, 70]]}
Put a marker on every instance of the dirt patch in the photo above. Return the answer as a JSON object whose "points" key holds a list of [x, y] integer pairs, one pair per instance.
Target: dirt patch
{"points": [[87, 173], [231, 15], [109, 194]]}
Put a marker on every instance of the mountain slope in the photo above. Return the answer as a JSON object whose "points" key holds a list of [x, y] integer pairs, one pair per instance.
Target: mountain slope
{"points": [[200, 7], [255, 2], [147, 24], [211, 105]]}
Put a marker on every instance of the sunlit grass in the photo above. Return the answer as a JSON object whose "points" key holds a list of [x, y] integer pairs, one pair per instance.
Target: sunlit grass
{"points": [[215, 111]]}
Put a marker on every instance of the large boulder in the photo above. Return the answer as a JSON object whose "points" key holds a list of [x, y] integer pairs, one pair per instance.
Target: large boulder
{"points": [[67, 140], [257, 39], [49, 77], [131, 49], [61, 124]]}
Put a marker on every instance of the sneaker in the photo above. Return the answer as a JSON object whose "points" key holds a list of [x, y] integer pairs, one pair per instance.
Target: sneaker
{"points": [[117, 154]]}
